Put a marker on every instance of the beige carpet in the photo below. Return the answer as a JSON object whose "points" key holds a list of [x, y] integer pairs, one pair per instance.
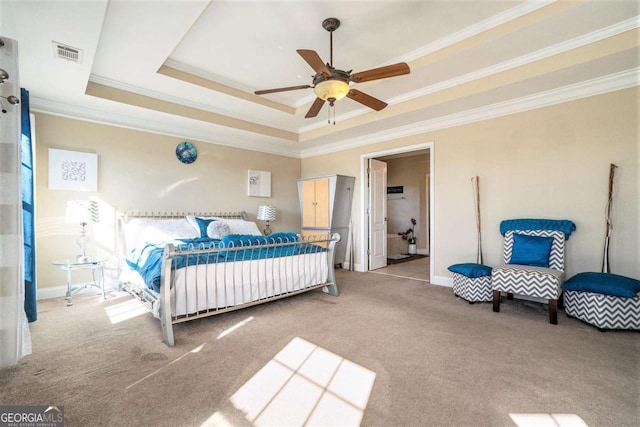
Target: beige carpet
{"points": [[393, 351]]}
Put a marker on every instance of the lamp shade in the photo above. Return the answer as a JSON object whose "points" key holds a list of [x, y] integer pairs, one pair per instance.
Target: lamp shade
{"points": [[77, 212], [266, 213]]}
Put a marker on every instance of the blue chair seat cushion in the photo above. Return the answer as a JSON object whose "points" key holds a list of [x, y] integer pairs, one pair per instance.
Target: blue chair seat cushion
{"points": [[603, 283], [471, 270]]}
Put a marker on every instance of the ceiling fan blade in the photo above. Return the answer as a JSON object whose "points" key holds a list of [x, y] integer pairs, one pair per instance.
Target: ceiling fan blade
{"points": [[315, 108], [381, 73], [313, 59], [281, 89], [367, 100]]}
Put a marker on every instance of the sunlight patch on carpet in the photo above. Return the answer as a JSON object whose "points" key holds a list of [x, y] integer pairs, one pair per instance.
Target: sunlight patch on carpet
{"points": [[547, 420], [125, 310], [306, 385], [157, 371], [234, 327], [216, 420]]}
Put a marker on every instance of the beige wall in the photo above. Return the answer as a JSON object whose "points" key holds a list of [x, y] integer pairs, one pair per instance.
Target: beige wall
{"points": [[139, 171], [547, 163], [551, 163]]}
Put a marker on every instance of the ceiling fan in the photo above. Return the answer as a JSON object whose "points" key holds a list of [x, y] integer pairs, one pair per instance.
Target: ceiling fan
{"points": [[331, 84]]}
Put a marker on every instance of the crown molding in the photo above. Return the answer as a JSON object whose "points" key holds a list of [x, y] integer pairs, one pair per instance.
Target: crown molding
{"points": [[576, 42], [598, 86], [176, 100], [206, 75], [593, 87], [45, 106], [601, 85], [548, 52], [471, 31], [474, 30]]}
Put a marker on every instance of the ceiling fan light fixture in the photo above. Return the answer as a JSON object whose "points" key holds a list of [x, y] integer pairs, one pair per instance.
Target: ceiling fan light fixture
{"points": [[331, 90], [331, 84]]}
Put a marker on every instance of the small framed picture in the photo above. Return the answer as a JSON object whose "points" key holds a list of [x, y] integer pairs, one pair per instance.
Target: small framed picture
{"points": [[259, 183], [73, 170]]}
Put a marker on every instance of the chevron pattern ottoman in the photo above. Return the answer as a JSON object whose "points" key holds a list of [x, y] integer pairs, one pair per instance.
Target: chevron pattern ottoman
{"points": [[472, 282], [603, 311], [605, 300]]}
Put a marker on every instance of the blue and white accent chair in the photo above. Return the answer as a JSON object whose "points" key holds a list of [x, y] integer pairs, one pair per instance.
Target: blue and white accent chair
{"points": [[533, 255]]}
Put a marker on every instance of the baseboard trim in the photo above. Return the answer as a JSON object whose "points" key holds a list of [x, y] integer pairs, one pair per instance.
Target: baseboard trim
{"points": [[442, 281], [61, 291]]}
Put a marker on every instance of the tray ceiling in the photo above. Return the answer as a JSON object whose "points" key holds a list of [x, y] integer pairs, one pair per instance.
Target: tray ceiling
{"points": [[190, 68]]}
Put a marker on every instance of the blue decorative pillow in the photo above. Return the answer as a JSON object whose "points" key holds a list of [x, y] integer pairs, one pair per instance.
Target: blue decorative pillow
{"points": [[603, 283], [531, 250], [203, 224], [471, 270]]}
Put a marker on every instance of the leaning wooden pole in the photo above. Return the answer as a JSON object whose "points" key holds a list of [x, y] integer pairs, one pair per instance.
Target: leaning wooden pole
{"points": [[475, 182], [609, 227]]}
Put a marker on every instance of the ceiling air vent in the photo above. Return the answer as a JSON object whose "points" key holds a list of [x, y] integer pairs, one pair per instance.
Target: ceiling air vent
{"points": [[67, 52]]}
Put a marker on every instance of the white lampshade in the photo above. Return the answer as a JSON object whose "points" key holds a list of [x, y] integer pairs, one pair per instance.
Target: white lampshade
{"points": [[77, 212], [266, 213]]}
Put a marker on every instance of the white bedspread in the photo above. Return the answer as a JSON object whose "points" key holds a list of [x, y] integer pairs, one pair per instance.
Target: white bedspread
{"points": [[226, 284]]}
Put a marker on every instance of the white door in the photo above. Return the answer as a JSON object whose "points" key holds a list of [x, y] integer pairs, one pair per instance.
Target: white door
{"points": [[377, 214]]}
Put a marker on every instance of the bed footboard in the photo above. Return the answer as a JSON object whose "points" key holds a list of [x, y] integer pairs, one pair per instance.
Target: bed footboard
{"points": [[205, 281]]}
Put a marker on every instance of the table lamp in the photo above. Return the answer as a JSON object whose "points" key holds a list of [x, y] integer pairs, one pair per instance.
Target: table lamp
{"points": [[78, 212], [266, 213]]}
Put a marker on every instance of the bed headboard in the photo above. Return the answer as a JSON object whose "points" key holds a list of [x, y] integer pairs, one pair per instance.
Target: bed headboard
{"points": [[136, 227], [179, 215]]}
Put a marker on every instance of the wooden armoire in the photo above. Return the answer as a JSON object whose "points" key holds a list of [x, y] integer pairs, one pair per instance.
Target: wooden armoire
{"points": [[325, 205]]}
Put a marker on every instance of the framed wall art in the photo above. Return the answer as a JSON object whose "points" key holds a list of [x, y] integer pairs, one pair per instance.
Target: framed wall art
{"points": [[259, 183], [73, 170]]}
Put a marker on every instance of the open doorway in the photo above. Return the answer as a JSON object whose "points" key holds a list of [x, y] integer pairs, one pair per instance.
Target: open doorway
{"points": [[408, 194]]}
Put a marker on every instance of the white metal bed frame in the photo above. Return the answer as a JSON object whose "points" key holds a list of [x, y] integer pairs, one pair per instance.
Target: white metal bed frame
{"points": [[306, 267]]}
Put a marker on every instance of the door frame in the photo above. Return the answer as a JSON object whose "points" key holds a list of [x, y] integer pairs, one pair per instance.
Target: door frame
{"points": [[364, 200]]}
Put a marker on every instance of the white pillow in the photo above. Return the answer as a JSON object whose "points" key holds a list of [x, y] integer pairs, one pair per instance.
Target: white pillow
{"points": [[148, 230], [218, 229], [240, 226]]}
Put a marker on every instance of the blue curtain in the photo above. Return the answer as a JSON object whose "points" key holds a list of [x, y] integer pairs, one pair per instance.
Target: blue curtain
{"points": [[30, 305]]}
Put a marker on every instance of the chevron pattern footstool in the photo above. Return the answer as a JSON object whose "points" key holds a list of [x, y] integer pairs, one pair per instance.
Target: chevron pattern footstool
{"points": [[607, 301], [472, 282], [603, 311]]}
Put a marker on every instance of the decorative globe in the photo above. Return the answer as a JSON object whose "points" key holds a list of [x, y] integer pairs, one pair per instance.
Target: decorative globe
{"points": [[186, 152]]}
